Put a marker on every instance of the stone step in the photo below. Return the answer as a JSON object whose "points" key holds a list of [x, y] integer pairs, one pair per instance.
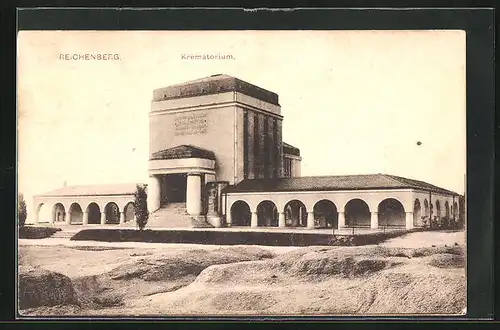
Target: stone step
{"points": [[174, 215]]}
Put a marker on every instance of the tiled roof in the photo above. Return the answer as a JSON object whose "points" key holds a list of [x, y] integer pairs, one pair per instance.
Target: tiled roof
{"points": [[332, 183], [214, 84], [94, 190], [183, 151], [290, 150]]}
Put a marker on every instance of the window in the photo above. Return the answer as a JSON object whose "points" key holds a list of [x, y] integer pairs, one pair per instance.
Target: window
{"points": [[276, 153], [256, 146], [267, 142], [245, 144], [287, 167]]}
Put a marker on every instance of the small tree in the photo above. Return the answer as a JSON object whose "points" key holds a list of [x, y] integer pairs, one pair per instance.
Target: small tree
{"points": [[141, 206], [22, 213]]}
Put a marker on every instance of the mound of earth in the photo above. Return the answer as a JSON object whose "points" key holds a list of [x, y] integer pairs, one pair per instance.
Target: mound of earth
{"points": [[447, 260], [146, 274], [248, 280], [190, 263], [305, 265], [323, 281], [58, 310], [414, 294], [40, 287]]}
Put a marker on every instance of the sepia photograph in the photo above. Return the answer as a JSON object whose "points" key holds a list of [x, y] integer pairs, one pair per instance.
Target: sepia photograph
{"points": [[241, 173]]}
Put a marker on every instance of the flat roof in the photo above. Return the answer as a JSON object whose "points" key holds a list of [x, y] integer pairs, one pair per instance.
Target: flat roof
{"points": [[334, 183], [218, 83]]}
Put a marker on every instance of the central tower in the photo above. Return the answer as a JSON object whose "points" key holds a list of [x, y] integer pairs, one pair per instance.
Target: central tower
{"points": [[218, 128]]}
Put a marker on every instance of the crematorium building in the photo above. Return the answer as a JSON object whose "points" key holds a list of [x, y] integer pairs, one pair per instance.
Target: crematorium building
{"points": [[217, 159]]}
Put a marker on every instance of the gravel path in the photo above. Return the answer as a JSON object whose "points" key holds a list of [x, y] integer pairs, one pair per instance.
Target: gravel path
{"points": [[139, 245], [427, 239]]}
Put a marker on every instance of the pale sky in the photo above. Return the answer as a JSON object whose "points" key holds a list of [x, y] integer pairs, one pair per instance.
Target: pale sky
{"points": [[354, 102]]}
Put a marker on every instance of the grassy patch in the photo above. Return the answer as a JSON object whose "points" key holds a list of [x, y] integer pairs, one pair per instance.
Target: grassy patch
{"points": [[37, 232]]}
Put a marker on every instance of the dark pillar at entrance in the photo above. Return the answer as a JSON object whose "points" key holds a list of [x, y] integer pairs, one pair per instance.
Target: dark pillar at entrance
{"points": [[173, 188]]}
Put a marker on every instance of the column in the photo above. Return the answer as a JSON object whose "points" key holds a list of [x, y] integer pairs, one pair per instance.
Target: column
{"points": [[103, 218], [85, 218], [341, 220], [254, 223], [310, 220], [122, 218], [409, 220], [153, 198], [68, 218], [193, 194], [229, 221], [374, 220], [281, 220]]}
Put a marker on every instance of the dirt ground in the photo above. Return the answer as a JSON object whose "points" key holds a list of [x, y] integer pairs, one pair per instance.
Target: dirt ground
{"points": [[420, 273]]}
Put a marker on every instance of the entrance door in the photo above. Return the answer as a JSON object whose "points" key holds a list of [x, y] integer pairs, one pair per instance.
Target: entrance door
{"points": [[175, 188]]}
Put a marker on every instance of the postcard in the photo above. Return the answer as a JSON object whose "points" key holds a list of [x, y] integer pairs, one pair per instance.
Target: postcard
{"points": [[242, 173]]}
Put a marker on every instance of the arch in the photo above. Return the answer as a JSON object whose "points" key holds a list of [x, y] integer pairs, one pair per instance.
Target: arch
{"points": [[58, 213], [94, 213], [417, 213], [112, 213], [43, 213], [129, 211], [438, 209], [426, 209], [447, 209], [455, 210], [357, 213], [75, 213], [326, 214], [240, 214], [295, 213], [391, 213], [267, 214]]}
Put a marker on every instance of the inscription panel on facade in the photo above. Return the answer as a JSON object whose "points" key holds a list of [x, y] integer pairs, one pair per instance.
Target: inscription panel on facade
{"points": [[190, 124]]}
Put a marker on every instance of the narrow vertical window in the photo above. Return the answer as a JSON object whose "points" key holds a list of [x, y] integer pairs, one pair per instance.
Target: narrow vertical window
{"points": [[256, 145], [276, 151], [266, 155], [245, 144]]}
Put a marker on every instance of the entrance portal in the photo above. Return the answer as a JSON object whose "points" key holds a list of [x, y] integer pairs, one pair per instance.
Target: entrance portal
{"points": [[173, 188]]}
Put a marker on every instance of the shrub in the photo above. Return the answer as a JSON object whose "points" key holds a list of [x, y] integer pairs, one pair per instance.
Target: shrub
{"points": [[445, 223], [22, 213], [141, 206], [37, 232], [435, 223]]}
